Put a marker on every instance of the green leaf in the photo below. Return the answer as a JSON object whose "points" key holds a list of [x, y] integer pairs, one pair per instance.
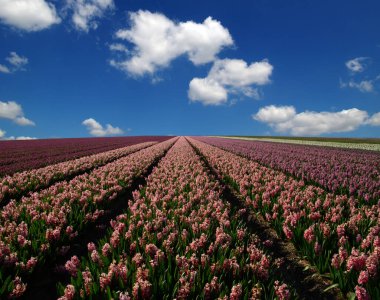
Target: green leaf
{"points": [[5, 285], [351, 296], [109, 293], [331, 287]]}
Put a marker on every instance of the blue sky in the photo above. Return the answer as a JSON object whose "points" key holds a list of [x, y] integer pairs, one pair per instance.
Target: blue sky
{"points": [[69, 68]]}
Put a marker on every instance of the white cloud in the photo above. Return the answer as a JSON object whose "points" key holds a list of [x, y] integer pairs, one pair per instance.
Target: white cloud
{"points": [[29, 15], [19, 138], [25, 138], [247, 91], [284, 119], [119, 48], [374, 120], [16, 60], [207, 91], [365, 86], [24, 121], [87, 12], [13, 111], [158, 40], [236, 72], [4, 69], [232, 76], [96, 129], [10, 110], [11, 138], [275, 114], [357, 64]]}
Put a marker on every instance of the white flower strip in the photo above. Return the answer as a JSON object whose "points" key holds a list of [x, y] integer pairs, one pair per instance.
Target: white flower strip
{"points": [[362, 146]]}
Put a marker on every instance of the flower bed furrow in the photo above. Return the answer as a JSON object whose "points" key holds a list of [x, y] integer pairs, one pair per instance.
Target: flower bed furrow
{"points": [[337, 234], [19, 184], [341, 171], [34, 228], [177, 239]]}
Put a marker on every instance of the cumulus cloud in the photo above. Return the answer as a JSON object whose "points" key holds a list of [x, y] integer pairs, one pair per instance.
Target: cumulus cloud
{"points": [[357, 64], [275, 114], [2, 133], [374, 120], [87, 12], [207, 91], [13, 111], [229, 76], [28, 15], [96, 129], [285, 119], [157, 41], [10, 110], [236, 72], [23, 121]]}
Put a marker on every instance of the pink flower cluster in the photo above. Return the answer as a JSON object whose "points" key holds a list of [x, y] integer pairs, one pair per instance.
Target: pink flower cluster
{"points": [[72, 265], [69, 293], [282, 291], [353, 172], [31, 180], [18, 288], [328, 223], [179, 238], [39, 223]]}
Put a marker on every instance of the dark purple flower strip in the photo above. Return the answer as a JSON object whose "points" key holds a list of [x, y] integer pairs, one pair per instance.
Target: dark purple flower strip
{"points": [[18, 156]]}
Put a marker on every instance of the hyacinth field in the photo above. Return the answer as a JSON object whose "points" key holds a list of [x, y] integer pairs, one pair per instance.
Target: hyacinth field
{"points": [[188, 218]]}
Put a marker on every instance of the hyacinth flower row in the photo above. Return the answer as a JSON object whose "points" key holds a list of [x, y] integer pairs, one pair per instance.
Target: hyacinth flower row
{"points": [[337, 234], [40, 225], [31, 180], [17, 156], [342, 171], [177, 240]]}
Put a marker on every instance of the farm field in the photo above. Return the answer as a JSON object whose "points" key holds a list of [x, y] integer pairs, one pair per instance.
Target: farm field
{"points": [[188, 218]]}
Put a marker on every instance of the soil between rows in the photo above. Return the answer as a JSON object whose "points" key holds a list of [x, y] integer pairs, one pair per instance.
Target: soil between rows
{"points": [[296, 271], [42, 284]]}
